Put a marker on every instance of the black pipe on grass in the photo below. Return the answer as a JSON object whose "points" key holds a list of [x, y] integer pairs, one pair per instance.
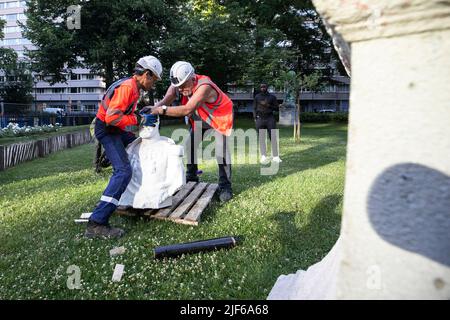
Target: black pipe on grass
{"points": [[175, 250]]}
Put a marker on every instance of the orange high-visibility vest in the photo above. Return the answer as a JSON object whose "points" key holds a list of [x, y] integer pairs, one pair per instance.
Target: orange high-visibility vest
{"points": [[219, 114], [118, 104]]}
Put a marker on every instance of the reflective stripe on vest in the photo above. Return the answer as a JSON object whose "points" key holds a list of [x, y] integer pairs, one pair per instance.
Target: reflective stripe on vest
{"points": [[210, 111], [109, 94]]}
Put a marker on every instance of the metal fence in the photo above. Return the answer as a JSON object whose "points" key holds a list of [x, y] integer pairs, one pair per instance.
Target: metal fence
{"points": [[39, 119]]}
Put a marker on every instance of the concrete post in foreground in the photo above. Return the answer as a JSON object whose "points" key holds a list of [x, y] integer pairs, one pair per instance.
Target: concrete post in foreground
{"points": [[395, 235], [396, 221]]}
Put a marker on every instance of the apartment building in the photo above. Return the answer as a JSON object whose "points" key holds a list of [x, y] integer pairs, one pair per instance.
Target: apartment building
{"points": [[335, 96], [83, 90]]}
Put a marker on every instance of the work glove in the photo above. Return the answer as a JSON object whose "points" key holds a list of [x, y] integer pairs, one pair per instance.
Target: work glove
{"points": [[149, 120], [146, 109]]}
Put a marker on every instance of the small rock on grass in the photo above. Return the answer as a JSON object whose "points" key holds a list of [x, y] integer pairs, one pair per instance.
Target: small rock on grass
{"points": [[118, 272], [117, 251]]}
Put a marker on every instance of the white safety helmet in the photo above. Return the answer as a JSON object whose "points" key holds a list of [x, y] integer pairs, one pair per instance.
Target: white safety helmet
{"points": [[151, 63], [180, 72]]}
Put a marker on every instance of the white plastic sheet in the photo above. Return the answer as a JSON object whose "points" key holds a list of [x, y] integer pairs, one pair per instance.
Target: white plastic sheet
{"points": [[318, 282], [158, 170]]}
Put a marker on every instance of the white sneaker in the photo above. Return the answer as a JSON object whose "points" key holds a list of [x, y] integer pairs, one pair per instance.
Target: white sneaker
{"points": [[264, 160], [277, 159]]}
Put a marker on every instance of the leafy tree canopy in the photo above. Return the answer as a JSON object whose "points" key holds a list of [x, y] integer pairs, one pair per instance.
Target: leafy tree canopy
{"points": [[18, 83], [232, 41]]}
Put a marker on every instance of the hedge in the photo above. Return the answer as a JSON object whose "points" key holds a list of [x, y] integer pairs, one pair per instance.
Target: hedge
{"points": [[341, 117]]}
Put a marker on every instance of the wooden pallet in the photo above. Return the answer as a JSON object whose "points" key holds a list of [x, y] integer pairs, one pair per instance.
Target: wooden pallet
{"points": [[187, 207]]}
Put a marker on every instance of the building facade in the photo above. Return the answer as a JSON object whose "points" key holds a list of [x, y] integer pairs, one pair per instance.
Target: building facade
{"points": [[83, 90], [334, 97]]}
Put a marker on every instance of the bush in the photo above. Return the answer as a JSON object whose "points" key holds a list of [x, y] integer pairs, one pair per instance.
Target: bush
{"points": [[324, 117], [14, 130], [340, 117]]}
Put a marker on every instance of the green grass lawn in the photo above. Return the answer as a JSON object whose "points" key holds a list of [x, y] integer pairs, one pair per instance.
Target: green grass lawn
{"points": [[37, 136], [290, 221]]}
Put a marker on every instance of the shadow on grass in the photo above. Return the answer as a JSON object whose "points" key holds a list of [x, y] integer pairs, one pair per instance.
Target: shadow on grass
{"points": [[307, 245], [68, 160], [312, 158]]}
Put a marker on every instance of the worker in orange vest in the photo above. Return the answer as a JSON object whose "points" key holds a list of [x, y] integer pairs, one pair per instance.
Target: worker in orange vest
{"points": [[208, 107], [115, 114]]}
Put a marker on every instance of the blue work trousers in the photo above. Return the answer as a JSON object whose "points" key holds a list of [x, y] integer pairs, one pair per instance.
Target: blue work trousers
{"points": [[114, 141]]}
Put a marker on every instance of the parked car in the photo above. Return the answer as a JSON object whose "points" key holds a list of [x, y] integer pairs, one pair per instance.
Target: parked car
{"points": [[54, 110], [327, 111]]}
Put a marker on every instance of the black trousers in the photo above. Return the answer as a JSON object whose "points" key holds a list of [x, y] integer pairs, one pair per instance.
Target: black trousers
{"points": [[263, 125], [222, 154]]}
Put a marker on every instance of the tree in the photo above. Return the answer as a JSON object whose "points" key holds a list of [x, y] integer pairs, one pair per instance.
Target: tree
{"points": [[111, 38], [287, 34], [212, 40], [18, 80], [295, 83], [18, 83], [2, 25], [229, 40]]}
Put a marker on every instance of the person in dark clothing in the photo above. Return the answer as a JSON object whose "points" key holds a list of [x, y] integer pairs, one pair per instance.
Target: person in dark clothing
{"points": [[263, 107]]}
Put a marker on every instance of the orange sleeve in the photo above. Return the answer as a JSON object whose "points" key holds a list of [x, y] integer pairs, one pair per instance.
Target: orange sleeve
{"points": [[122, 99]]}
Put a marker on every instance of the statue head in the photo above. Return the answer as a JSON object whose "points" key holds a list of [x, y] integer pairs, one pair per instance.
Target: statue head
{"points": [[150, 127]]}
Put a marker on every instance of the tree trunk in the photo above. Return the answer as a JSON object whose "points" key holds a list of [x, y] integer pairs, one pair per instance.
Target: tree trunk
{"points": [[297, 119], [109, 73]]}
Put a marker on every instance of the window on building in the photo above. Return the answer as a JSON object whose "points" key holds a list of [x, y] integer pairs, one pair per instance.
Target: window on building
{"points": [[75, 76], [75, 90], [89, 90], [58, 90], [89, 76], [9, 42], [40, 91], [90, 107], [2, 79], [11, 17], [343, 88], [330, 88], [12, 4], [15, 41], [13, 29], [239, 90]]}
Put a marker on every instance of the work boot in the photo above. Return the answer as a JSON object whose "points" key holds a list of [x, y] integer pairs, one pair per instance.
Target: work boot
{"points": [[225, 194], [97, 230], [192, 179], [104, 161], [123, 208]]}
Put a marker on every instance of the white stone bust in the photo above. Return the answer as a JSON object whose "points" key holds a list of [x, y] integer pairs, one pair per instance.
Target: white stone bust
{"points": [[158, 170]]}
